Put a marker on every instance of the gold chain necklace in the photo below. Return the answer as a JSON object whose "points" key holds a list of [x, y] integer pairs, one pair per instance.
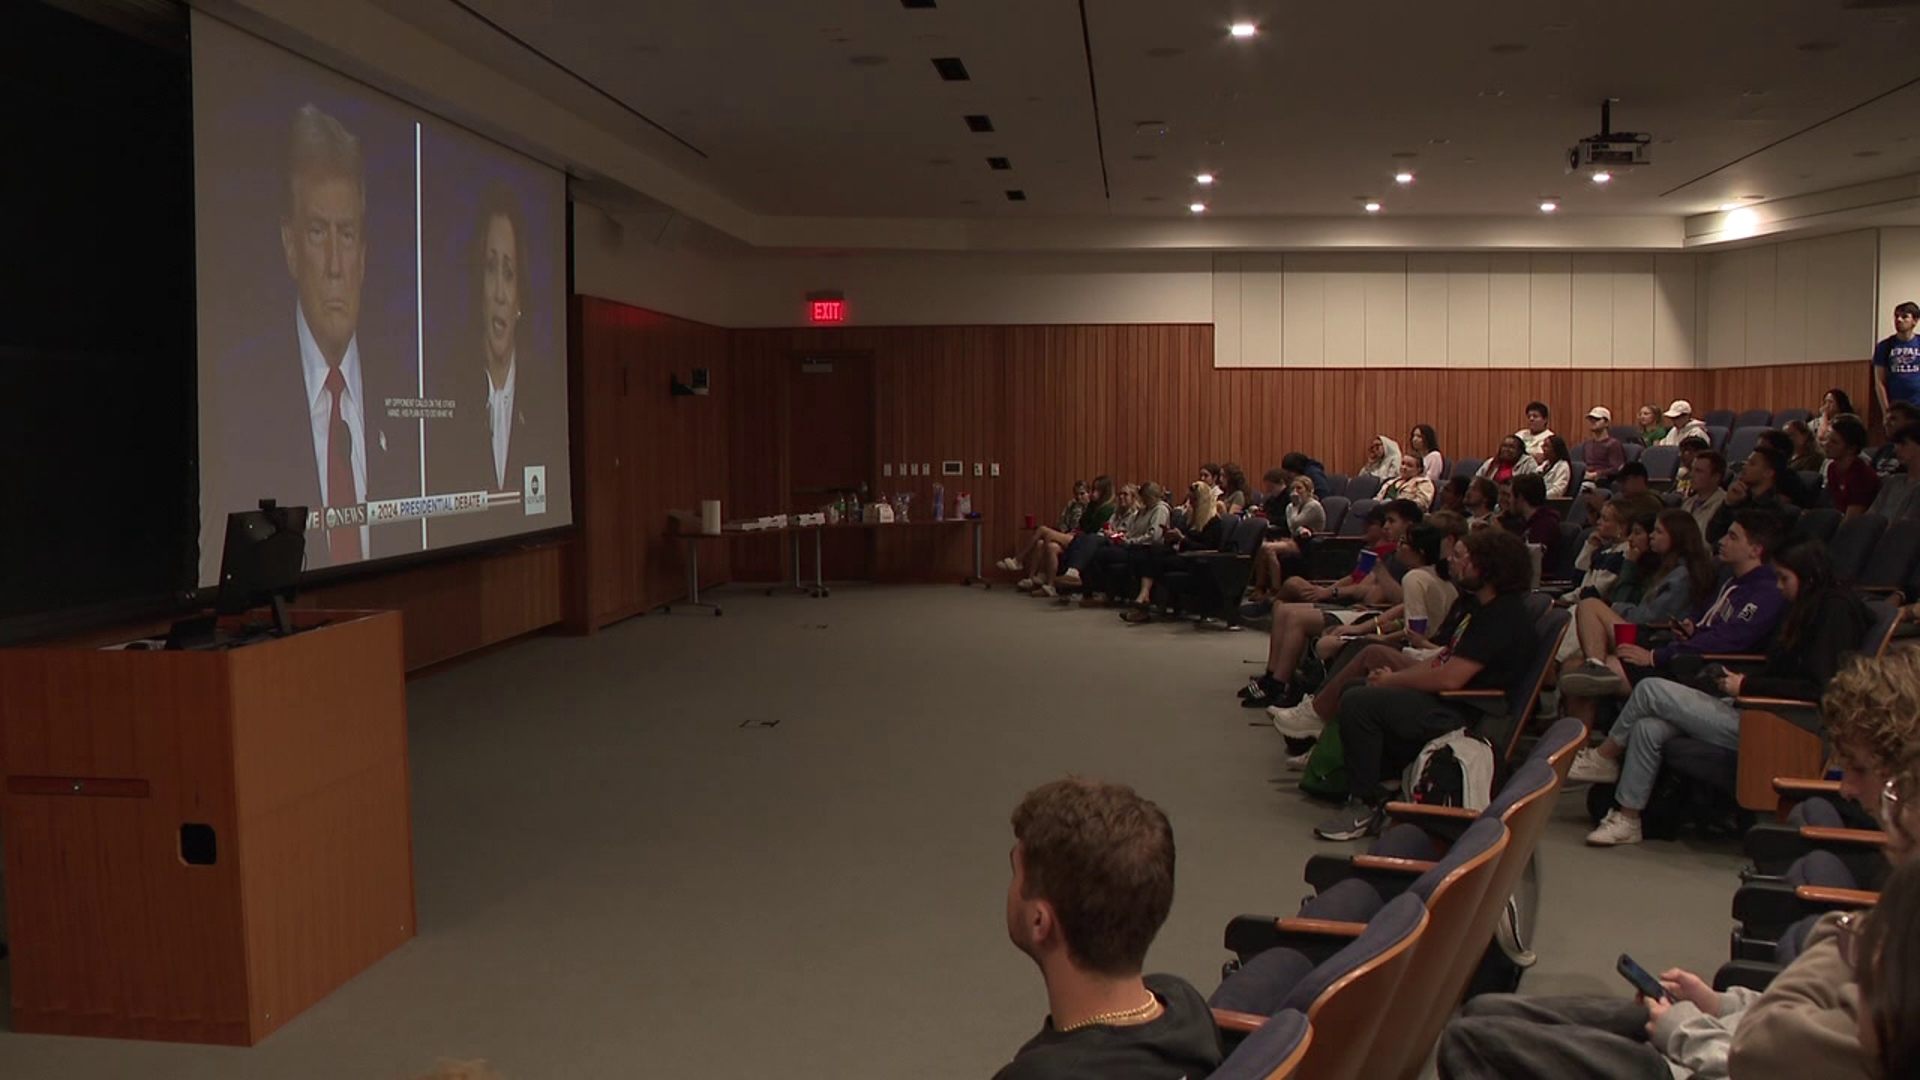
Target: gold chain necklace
{"points": [[1136, 1013]]}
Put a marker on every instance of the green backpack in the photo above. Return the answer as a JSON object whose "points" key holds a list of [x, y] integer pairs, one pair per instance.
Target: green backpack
{"points": [[1326, 774]]}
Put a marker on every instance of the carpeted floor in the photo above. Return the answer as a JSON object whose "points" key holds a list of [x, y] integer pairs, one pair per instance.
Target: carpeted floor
{"points": [[617, 878]]}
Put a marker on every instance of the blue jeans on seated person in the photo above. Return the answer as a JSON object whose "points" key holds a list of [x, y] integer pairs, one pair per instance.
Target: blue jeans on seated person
{"points": [[1658, 710]]}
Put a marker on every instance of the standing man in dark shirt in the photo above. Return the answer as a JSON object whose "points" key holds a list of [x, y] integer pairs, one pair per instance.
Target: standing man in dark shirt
{"points": [[1896, 360], [1092, 884], [1384, 724]]}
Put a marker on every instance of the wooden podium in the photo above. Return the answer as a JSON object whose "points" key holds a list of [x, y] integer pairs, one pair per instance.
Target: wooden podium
{"points": [[201, 844]]}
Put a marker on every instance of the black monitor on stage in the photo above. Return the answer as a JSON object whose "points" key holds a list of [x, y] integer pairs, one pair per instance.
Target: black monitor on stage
{"points": [[261, 561]]}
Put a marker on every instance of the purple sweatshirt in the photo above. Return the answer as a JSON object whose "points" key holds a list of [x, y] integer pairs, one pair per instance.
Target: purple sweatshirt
{"points": [[1739, 620]]}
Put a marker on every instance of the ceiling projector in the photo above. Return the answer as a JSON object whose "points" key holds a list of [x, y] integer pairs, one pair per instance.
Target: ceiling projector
{"points": [[1610, 150]]}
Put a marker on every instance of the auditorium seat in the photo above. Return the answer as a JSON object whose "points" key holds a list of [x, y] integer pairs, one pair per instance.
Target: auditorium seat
{"points": [[1576, 475], [1336, 508], [1356, 520], [1363, 487], [1466, 466], [1717, 435], [1741, 443], [1273, 1052], [1634, 450], [1890, 567], [1626, 433], [1753, 418], [1506, 711], [1661, 462], [1785, 416], [1853, 542], [1346, 995], [1817, 525], [1722, 418], [1337, 484]]}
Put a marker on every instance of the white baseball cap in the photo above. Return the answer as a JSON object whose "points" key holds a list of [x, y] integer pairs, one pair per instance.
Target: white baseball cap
{"points": [[1680, 407], [1600, 412]]}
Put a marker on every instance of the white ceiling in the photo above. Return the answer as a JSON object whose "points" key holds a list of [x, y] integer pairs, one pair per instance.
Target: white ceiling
{"points": [[832, 108]]}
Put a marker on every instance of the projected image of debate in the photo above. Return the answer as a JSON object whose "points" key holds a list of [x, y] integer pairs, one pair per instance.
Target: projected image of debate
{"points": [[381, 317]]}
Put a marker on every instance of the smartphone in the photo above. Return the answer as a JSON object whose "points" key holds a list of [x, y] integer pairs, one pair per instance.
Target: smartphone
{"points": [[1641, 980]]}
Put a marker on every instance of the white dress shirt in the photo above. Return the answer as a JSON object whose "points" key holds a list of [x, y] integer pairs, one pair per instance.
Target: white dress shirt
{"points": [[1532, 441], [320, 411], [500, 421]]}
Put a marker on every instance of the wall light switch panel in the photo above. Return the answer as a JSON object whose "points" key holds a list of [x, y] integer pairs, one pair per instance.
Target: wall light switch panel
{"points": [[926, 468], [996, 468], [903, 468], [886, 470], [979, 469]]}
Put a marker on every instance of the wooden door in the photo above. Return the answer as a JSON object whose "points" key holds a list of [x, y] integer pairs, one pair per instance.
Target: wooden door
{"points": [[830, 448]]}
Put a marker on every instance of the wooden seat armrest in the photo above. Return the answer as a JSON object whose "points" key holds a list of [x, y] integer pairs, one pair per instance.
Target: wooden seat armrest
{"points": [[1805, 786], [1319, 927], [1773, 703], [1734, 658], [1470, 695], [1820, 894], [1245, 1023], [1388, 864], [1895, 591], [1403, 811], [1821, 834]]}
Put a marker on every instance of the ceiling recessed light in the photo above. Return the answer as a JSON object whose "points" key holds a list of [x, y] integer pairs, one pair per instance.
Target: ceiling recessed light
{"points": [[1243, 30], [1371, 208], [1198, 208], [1403, 178], [1741, 222], [1602, 177], [1548, 206], [1204, 178], [1726, 206]]}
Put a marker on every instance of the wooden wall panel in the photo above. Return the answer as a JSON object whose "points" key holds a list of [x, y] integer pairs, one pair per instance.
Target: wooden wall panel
{"points": [[643, 452]]}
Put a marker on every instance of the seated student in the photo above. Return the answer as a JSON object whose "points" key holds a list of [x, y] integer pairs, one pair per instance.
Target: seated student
{"points": [[1824, 621], [1707, 492], [1093, 521], [1412, 484], [1210, 476], [1062, 530], [1374, 547], [1452, 495], [1691, 447], [1107, 571], [1384, 723], [1807, 453], [1899, 495], [1295, 624], [1424, 443], [1671, 576], [1535, 432], [1631, 484], [1539, 523], [1602, 454], [1511, 460], [1287, 536], [1080, 553], [1275, 492], [1680, 415], [1740, 620], [1834, 402], [1555, 467], [1794, 489], [1758, 488], [1300, 464], [1233, 489], [1400, 636], [1888, 957], [1886, 460], [1204, 531], [1602, 557], [1482, 502], [1653, 428], [1092, 884], [1382, 459], [1850, 478]]}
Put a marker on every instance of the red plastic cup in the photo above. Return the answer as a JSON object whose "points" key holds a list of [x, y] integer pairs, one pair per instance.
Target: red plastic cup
{"points": [[1029, 521], [1625, 633]]}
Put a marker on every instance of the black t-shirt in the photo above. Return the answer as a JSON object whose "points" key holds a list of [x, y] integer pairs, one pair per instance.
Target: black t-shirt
{"points": [[1181, 1043], [1500, 636]]}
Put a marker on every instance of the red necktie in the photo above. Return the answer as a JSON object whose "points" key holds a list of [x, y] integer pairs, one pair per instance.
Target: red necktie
{"points": [[343, 543]]}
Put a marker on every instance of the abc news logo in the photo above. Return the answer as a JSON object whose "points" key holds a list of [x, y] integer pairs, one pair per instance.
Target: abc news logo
{"points": [[334, 517]]}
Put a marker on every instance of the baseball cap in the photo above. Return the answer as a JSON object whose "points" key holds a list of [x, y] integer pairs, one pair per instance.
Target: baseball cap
{"points": [[1680, 407], [1600, 412]]}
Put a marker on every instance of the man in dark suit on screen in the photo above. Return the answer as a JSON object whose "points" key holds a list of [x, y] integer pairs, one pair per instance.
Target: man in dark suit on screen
{"points": [[336, 448]]}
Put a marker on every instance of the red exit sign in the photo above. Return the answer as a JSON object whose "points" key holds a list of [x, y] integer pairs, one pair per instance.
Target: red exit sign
{"points": [[827, 311]]}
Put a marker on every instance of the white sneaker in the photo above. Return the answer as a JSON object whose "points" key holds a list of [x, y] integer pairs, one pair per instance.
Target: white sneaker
{"points": [[1069, 577], [1298, 762], [1010, 564], [1590, 768], [1025, 584], [1297, 721], [1616, 828], [1047, 590]]}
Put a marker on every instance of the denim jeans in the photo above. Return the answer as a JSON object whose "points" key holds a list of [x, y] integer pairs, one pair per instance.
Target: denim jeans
{"points": [[1658, 710]]}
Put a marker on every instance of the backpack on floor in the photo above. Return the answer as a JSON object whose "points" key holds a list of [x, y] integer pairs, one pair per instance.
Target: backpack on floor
{"points": [[1455, 769], [1326, 774]]}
